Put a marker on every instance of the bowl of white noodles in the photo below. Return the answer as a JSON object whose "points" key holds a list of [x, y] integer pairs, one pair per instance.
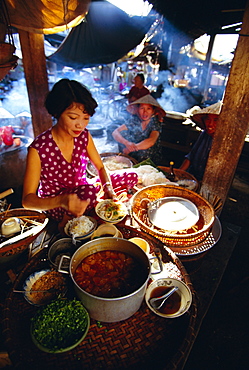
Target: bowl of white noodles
{"points": [[80, 228]]}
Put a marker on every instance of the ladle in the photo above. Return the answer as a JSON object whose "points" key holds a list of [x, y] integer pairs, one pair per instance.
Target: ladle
{"points": [[157, 303]]}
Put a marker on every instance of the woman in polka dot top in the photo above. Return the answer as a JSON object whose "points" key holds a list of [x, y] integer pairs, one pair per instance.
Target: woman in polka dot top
{"points": [[55, 178]]}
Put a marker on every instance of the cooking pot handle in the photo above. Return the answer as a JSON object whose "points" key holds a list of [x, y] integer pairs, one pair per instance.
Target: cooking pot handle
{"points": [[62, 269]]}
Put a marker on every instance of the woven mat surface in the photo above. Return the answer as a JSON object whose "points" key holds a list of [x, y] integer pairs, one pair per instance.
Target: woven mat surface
{"points": [[144, 339]]}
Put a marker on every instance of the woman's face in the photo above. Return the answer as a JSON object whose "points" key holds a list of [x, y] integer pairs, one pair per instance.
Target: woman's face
{"points": [[145, 111], [74, 119]]}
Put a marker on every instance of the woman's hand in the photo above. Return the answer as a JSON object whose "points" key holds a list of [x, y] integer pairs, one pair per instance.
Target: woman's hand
{"points": [[73, 204], [130, 147], [109, 193]]}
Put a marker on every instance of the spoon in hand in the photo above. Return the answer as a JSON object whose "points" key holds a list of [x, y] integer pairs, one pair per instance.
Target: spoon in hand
{"points": [[157, 303]]}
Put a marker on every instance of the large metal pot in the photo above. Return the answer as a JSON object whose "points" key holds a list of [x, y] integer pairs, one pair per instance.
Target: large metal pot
{"points": [[110, 309]]}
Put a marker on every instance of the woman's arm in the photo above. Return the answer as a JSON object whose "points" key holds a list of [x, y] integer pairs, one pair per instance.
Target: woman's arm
{"points": [[146, 143], [31, 200], [149, 142], [105, 180], [130, 146], [32, 175]]}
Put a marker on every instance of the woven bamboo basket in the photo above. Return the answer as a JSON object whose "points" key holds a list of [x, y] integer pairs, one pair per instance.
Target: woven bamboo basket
{"points": [[138, 342], [35, 222], [183, 238]]}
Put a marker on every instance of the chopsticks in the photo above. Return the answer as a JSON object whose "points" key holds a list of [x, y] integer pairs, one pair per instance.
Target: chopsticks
{"points": [[30, 221], [214, 200], [7, 210]]}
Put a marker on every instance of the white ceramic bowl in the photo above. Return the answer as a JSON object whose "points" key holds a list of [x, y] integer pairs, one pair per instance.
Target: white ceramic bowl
{"points": [[142, 243], [106, 230], [110, 211], [158, 288], [11, 226]]}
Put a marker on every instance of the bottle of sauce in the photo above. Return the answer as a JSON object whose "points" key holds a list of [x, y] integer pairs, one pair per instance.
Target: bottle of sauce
{"points": [[171, 175]]}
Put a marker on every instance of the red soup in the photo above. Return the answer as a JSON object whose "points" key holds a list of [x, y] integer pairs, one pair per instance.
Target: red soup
{"points": [[110, 274]]}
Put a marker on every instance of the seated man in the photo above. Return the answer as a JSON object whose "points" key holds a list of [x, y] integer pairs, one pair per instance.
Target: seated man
{"points": [[139, 137], [195, 161]]}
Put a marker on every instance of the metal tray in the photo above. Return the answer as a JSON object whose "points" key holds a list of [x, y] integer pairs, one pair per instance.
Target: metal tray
{"points": [[205, 245]]}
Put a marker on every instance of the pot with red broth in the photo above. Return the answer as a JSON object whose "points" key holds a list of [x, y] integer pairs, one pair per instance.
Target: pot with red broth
{"points": [[110, 276]]}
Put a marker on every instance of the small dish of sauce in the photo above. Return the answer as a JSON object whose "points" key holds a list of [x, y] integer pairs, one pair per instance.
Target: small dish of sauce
{"points": [[176, 304], [172, 304]]}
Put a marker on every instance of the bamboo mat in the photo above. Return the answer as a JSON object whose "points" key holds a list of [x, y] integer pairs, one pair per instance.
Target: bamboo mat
{"points": [[142, 340]]}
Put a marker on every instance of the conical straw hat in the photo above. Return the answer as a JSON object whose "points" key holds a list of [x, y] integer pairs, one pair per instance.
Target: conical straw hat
{"points": [[200, 117], [147, 99]]}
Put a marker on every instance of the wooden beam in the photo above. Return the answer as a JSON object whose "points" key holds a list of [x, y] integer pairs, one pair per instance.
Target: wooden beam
{"points": [[232, 125], [34, 63]]}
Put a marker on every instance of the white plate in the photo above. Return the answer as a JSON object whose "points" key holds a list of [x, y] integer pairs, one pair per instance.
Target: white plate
{"points": [[173, 213]]}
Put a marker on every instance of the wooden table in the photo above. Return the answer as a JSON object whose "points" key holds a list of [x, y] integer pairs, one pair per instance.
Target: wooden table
{"points": [[205, 274]]}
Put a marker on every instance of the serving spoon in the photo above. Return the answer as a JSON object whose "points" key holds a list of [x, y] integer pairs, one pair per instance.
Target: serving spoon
{"points": [[157, 303]]}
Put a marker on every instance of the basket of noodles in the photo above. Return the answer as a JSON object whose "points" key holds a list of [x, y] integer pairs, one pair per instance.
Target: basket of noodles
{"points": [[146, 201]]}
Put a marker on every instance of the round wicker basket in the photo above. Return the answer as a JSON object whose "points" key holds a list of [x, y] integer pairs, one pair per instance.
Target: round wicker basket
{"points": [[183, 238]]}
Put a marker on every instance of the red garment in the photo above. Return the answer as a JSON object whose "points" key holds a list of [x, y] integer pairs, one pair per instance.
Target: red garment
{"points": [[61, 177], [137, 93]]}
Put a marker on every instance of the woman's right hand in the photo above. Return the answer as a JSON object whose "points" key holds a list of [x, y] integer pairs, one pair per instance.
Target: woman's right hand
{"points": [[73, 204]]}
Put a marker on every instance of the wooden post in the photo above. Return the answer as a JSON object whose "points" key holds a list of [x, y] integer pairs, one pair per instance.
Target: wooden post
{"points": [[232, 125], [34, 63]]}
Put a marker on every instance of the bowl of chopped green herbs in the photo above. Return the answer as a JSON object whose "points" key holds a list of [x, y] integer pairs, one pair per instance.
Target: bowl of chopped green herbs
{"points": [[60, 326]]}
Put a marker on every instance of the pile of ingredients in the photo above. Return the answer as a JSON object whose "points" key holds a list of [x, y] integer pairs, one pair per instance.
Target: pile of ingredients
{"points": [[59, 325]]}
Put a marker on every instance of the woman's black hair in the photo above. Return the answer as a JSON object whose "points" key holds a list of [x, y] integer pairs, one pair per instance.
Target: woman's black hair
{"points": [[64, 93]]}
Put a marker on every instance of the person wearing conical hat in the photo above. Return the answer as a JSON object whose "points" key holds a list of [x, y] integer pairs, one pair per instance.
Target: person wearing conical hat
{"points": [[195, 161], [139, 137]]}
